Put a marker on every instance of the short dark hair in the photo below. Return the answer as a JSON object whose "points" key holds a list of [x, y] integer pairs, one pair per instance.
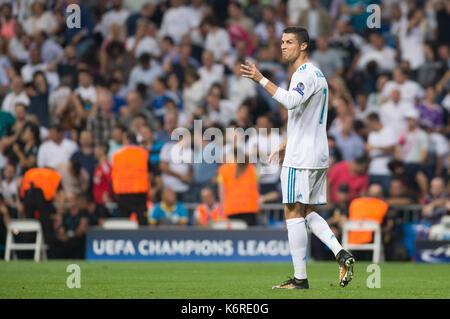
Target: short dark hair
{"points": [[301, 34], [373, 117]]}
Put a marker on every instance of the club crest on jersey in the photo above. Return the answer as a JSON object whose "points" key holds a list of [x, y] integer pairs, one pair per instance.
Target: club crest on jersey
{"points": [[300, 87]]}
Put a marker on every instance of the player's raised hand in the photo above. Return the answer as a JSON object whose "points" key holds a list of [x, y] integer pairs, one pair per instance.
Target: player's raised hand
{"points": [[249, 70]]}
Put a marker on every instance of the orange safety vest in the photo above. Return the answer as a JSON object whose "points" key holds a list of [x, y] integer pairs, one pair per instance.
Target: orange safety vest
{"points": [[205, 217], [45, 179], [371, 209], [130, 171], [241, 194]]}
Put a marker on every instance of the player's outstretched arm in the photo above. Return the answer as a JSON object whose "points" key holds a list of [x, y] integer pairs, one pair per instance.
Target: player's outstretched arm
{"points": [[289, 99]]}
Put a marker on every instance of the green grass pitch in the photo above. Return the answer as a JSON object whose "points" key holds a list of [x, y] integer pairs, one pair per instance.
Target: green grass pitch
{"points": [[189, 280]]}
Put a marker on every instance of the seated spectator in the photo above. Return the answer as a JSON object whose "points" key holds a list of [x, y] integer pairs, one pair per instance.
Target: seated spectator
{"points": [[70, 229], [413, 150], [217, 39], [102, 181], [353, 174], [145, 72], [134, 107], [435, 202], [399, 194], [210, 72], [209, 210], [17, 95], [338, 213], [103, 119], [94, 212], [86, 89], [193, 91], [239, 88], [169, 211]]}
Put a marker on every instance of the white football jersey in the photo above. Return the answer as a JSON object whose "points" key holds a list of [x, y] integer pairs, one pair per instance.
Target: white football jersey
{"points": [[307, 104]]}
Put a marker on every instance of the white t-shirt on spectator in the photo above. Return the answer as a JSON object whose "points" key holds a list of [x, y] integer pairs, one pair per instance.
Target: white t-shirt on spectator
{"points": [[240, 88], [378, 159], [28, 70], [415, 142], [210, 77], [218, 43], [261, 30], [87, 94], [392, 116], [140, 75], [226, 113], [177, 22], [113, 16], [51, 154], [47, 22], [410, 91], [262, 145], [411, 44], [385, 58], [179, 160], [146, 45], [11, 99]]}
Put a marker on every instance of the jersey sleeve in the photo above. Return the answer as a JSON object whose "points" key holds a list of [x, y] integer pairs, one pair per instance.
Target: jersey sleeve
{"points": [[303, 89]]}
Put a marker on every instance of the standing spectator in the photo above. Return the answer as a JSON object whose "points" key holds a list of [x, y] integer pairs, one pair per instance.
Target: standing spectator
{"points": [[238, 189], [117, 15], [35, 64], [412, 150], [169, 211], [380, 147], [102, 122], [410, 91], [209, 210], [431, 71], [353, 174], [377, 52], [175, 163], [102, 183], [8, 21], [50, 50], [143, 42], [130, 179], [392, 113], [411, 38], [348, 142], [57, 149]]}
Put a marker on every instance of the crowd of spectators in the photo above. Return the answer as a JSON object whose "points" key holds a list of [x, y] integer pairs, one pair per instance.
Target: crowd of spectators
{"points": [[135, 70]]}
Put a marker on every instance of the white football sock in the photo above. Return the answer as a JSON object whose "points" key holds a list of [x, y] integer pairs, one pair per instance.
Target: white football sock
{"points": [[320, 228], [297, 243]]}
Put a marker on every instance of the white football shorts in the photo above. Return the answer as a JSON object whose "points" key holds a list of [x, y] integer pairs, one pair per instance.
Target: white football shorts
{"points": [[306, 186]]}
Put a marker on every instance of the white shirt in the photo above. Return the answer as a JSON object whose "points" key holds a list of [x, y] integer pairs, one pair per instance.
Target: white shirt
{"points": [[307, 104], [28, 70], [51, 154], [210, 77], [262, 145], [226, 113], [47, 22], [11, 99], [140, 75], [177, 22], [9, 190], [146, 45], [240, 88], [193, 96], [218, 43], [113, 16], [378, 159], [87, 94], [411, 44], [409, 91], [392, 115], [179, 160], [384, 58]]}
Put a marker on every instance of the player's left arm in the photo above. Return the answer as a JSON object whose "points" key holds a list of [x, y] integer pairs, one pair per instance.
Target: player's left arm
{"points": [[289, 99]]}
